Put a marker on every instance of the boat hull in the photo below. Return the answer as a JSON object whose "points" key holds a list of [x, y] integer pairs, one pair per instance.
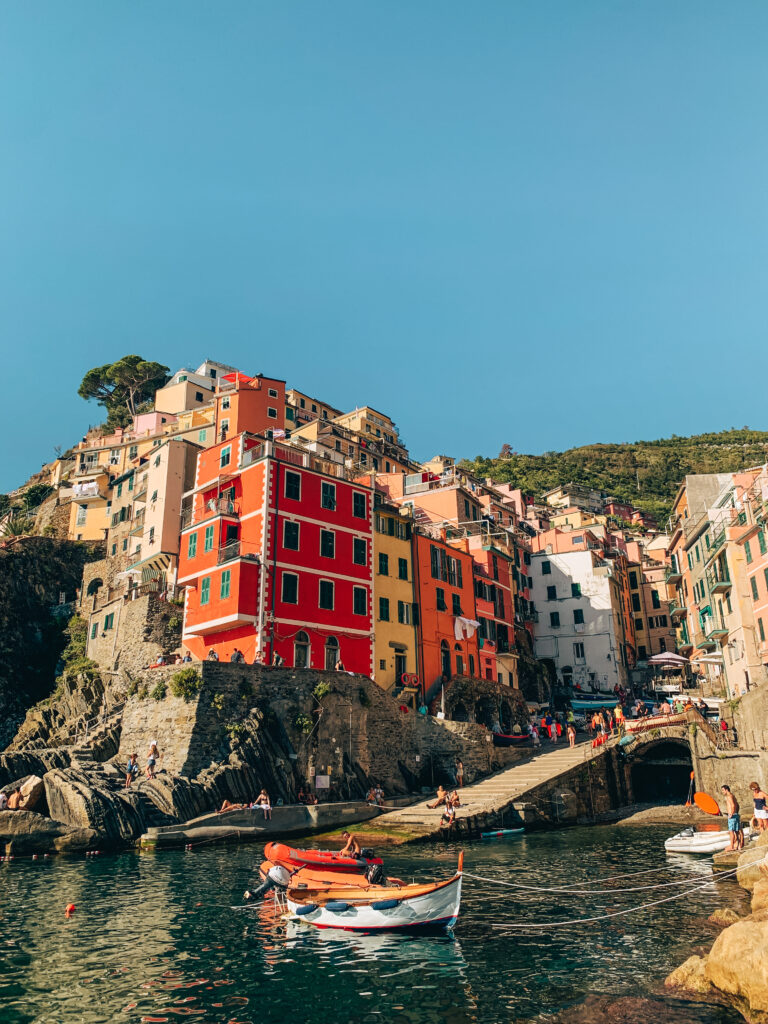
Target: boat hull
{"points": [[689, 841], [326, 860], [434, 910], [504, 740]]}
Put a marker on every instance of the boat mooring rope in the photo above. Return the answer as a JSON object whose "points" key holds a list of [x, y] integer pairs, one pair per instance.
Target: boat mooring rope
{"points": [[590, 892]]}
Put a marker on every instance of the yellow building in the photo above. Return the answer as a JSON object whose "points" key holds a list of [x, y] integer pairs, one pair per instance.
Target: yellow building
{"points": [[574, 518], [394, 644]]}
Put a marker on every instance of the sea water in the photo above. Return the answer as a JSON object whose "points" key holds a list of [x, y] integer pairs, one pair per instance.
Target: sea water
{"points": [[155, 938]]}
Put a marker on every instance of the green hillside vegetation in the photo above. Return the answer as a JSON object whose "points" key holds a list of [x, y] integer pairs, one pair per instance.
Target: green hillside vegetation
{"points": [[645, 473]]}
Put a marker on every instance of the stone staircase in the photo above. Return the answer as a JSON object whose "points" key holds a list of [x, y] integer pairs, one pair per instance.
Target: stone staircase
{"points": [[483, 801]]}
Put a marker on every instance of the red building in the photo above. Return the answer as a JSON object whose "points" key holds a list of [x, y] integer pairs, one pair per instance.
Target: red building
{"points": [[276, 556], [495, 611], [446, 601]]}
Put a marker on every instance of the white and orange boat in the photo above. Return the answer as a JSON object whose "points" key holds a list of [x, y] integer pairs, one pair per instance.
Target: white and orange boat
{"points": [[348, 901]]}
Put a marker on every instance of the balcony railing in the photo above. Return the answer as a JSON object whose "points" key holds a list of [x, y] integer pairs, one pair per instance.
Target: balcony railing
{"points": [[138, 524], [677, 610], [673, 575], [209, 510], [718, 579], [234, 549]]}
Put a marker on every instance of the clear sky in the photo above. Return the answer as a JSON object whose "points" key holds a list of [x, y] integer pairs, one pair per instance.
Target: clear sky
{"points": [[541, 223]]}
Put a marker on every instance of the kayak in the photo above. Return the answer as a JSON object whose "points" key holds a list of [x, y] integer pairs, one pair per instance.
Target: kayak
{"points": [[330, 860], [501, 832]]}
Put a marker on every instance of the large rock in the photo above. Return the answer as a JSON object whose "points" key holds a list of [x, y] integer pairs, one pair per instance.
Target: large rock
{"points": [[32, 790], [26, 832], [760, 894], [72, 799], [750, 863], [724, 917], [738, 963], [690, 976]]}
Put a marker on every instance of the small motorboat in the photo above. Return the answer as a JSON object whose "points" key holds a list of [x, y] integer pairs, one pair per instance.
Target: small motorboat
{"points": [[692, 841], [433, 906], [328, 860], [522, 739]]}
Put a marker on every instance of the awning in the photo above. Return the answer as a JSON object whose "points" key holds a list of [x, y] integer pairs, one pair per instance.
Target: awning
{"points": [[119, 479]]}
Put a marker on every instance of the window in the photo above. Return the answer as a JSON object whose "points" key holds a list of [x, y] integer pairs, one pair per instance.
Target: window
{"points": [[636, 607], [109, 621], [114, 549], [554, 619], [205, 590], [151, 535], [546, 568], [328, 495], [272, 413], [360, 601], [578, 651], [761, 630], [655, 599], [226, 578], [198, 396], [575, 590], [404, 613], [293, 486], [633, 580], [551, 593], [642, 654], [119, 490], [402, 568], [192, 545], [359, 551], [225, 402], [272, 392], [383, 564], [290, 588], [765, 575], [290, 535], [130, 482], [578, 616], [82, 513], [358, 505], [384, 609], [153, 499], [753, 584], [125, 544], [325, 598], [224, 429], [202, 436], [94, 630], [747, 551], [327, 543], [456, 602], [133, 451], [662, 644], [441, 605], [208, 539], [639, 627], [226, 455]]}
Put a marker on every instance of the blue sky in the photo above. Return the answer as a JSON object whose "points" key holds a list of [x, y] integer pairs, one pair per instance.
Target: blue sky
{"points": [[539, 223]]}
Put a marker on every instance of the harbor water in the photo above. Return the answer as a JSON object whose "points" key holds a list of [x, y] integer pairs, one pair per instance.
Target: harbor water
{"points": [[155, 938]]}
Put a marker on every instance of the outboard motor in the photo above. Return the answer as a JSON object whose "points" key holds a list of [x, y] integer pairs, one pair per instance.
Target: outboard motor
{"points": [[277, 878]]}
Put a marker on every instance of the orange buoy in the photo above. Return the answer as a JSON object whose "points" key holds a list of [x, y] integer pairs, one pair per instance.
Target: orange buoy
{"points": [[70, 910]]}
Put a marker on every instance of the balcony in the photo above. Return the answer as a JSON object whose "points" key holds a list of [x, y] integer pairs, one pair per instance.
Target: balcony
{"points": [[234, 549], [716, 632], [138, 524], [210, 510], [718, 580], [677, 611], [673, 575]]}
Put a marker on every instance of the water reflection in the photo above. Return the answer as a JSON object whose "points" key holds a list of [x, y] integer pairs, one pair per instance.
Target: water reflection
{"points": [[155, 938]]}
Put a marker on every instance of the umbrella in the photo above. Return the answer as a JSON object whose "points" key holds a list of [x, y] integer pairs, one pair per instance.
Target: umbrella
{"points": [[667, 658]]}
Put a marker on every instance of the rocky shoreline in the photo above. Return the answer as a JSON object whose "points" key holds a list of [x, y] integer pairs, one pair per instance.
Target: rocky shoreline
{"points": [[736, 968]]}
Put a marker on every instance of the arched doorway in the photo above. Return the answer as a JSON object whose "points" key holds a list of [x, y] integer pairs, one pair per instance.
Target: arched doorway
{"points": [[460, 712], [445, 658], [661, 772], [331, 653], [505, 717], [301, 650], [93, 589]]}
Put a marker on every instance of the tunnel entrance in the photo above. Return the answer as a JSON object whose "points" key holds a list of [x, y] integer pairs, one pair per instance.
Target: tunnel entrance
{"points": [[662, 774]]}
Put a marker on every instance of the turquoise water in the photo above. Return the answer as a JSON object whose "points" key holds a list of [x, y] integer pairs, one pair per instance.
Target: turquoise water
{"points": [[155, 938]]}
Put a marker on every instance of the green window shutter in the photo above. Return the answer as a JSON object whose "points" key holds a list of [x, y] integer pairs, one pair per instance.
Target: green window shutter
{"points": [[755, 591], [761, 541], [205, 590], [192, 545], [208, 543], [94, 630], [202, 436], [747, 551], [225, 583]]}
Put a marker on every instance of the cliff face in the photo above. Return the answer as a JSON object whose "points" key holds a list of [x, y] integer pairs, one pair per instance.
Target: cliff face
{"points": [[36, 574]]}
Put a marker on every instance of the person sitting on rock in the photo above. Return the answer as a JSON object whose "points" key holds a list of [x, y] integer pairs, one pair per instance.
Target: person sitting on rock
{"points": [[448, 816], [3, 801], [301, 796], [441, 795], [132, 770], [263, 801], [454, 799]]}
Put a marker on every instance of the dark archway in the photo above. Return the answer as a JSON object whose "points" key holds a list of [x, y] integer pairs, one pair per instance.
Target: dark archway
{"points": [[661, 772], [94, 586], [460, 713], [505, 717]]}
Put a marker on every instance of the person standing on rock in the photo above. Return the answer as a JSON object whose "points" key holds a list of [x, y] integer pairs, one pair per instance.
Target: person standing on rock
{"points": [[152, 758], [760, 800], [132, 770], [459, 773], [734, 821]]}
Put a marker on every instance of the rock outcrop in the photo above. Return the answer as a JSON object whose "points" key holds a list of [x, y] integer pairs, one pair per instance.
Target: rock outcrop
{"points": [[750, 861], [738, 963], [690, 976], [74, 801], [25, 832]]}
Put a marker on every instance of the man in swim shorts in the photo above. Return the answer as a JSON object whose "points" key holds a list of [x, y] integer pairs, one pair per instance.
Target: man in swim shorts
{"points": [[734, 821]]}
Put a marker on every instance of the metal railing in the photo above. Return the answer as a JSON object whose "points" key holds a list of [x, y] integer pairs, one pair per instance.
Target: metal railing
{"points": [[209, 510]]}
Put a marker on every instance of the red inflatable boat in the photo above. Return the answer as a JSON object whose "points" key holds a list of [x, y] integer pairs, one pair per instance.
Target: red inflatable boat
{"points": [[330, 860]]}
